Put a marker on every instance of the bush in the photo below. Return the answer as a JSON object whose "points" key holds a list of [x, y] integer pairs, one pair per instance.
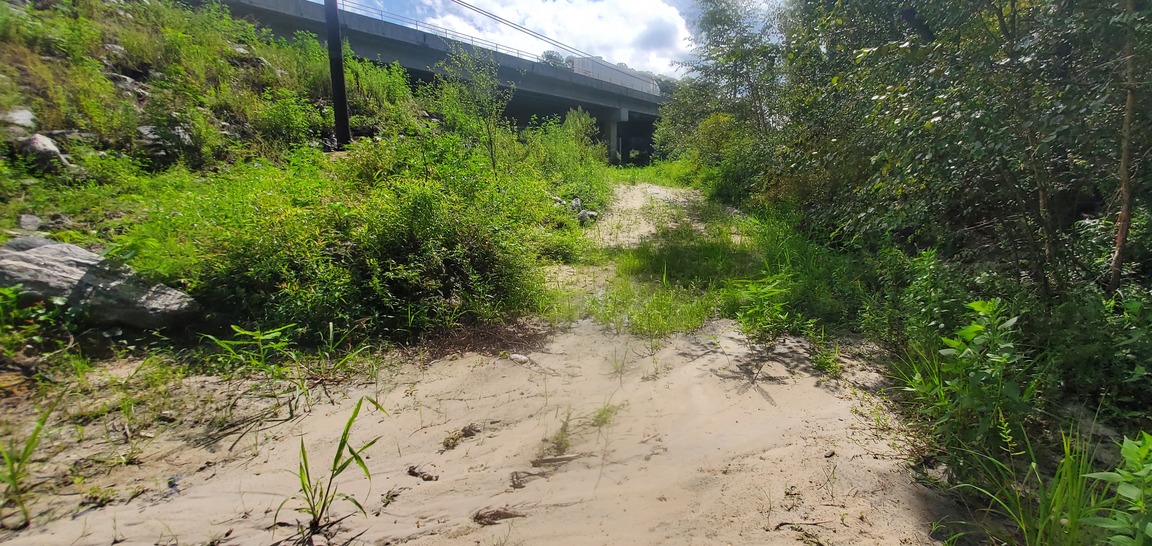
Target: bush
{"points": [[978, 394]]}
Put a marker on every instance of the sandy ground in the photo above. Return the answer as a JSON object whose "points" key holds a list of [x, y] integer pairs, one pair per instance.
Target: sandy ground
{"points": [[575, 437]]}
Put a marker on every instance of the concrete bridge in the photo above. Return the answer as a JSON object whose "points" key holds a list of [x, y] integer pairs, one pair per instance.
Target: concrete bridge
{"points": [[625, 111]]}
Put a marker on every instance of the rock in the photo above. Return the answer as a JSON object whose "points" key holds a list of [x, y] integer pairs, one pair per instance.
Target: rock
{"points": [[18, 123], [20, 244], [109, 294], [30, 222], [585, 216], [576, 205], [150, 135], [116, 51], [130, 86], [43, 152], [20, 117], [241, 56], [519, 358], [70, 134]]}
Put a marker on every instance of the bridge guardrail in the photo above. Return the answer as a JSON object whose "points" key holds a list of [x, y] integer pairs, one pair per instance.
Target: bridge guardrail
{"points": [[378, 13]]}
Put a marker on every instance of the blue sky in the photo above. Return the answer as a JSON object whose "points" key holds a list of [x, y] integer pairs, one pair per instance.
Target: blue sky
{"points": [[644, 34]]}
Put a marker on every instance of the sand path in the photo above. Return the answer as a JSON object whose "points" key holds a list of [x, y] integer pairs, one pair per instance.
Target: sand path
{"points": [[594, 438]]}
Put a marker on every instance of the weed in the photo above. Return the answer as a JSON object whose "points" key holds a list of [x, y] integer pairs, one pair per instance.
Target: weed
{"points": [[17, 465], [619, 364], [763, 314], [1129, 520], [603, 416], [559, 443], [825, 355], [254, 350], [319, 493], [978, 392], [99, 497], [1045, 512]]}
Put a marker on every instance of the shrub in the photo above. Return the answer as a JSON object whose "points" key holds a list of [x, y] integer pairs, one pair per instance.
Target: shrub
{"points": [[978, 394]]}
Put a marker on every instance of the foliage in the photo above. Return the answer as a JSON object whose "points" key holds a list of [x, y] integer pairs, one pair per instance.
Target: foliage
{"points": [[1130, 521], [762, 313], [15, 472], [472, 96], [979, 393], [1044, 511], [254, 351], [320, 492], [556, 59]]}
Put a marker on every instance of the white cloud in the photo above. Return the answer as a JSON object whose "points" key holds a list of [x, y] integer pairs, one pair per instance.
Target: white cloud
{"points": [[644, 34]]}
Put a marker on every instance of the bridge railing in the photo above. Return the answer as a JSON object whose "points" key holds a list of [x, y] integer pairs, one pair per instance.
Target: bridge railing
{"points": [[377, 12]]}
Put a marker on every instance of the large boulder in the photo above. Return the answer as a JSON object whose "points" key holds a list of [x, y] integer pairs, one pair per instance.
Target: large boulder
{"points": [[107, 293]]}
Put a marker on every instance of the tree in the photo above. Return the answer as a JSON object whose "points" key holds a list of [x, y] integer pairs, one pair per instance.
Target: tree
{"points": [[471, 80], [556, 59]]}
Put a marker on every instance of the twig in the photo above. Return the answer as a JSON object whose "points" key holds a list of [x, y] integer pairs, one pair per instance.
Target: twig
{"points": [[784, 523]]}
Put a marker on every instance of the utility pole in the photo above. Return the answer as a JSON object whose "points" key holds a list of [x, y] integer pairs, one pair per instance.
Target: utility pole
{"points": [[336, 62]]}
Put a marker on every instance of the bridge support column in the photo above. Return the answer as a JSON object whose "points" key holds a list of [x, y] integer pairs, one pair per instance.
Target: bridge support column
{"points": [[610, 128]]}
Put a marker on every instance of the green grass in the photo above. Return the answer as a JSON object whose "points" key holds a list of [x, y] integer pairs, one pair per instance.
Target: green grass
{"points": [[704, 261], [15, 475], [318, 493]]}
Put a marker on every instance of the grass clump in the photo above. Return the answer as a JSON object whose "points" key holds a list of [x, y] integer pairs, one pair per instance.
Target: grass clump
{"points": [[15, 474], [320, 492]]}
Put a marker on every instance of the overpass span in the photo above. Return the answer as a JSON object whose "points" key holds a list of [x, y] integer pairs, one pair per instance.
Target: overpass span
{"points": [[625, 114]]}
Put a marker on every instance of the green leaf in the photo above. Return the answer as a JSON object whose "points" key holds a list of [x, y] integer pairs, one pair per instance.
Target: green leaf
{"points": [[969, 332], [1110, 477], [1129, 491], [1106, 523], [981, 307], [1121, 540]]}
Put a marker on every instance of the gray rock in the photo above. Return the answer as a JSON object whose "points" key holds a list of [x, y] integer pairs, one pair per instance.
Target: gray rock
{"points": [[130, 86], [70, 134], [116, 51], [20, 117], [43, 152], [108, 294], [28, 243], [30, 222], [150, 135], [241, 56], [585, 216]]}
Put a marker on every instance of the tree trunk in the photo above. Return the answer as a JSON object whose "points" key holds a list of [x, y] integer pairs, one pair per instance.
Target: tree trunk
{"points": [[1125, 218]]}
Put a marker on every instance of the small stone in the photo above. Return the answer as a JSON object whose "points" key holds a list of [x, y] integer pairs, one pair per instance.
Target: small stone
{"points": [[116, 50], [518, 358], [30, 222], [828, 454]]}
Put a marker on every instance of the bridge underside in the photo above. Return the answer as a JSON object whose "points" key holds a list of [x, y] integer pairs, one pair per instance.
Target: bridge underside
{"points": [[625, 116], [629, 140]]}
